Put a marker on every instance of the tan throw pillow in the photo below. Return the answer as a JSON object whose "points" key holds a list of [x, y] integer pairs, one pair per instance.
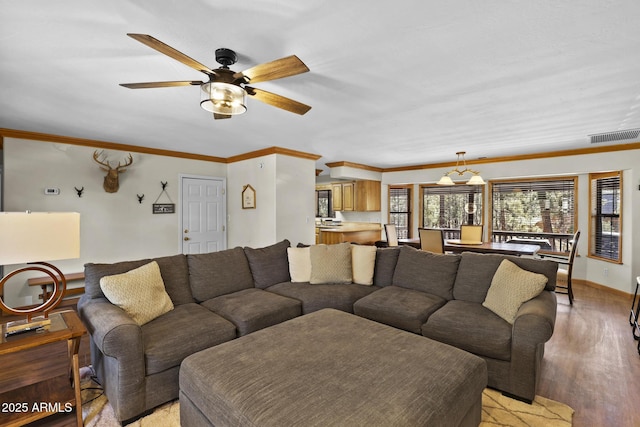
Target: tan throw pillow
{"points": [[363, 260], [510, 287], [330, 263], [139, 292], [299, 264]]}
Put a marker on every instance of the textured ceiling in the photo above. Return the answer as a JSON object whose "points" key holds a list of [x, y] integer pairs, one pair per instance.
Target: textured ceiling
{"points": [[391, 84]]}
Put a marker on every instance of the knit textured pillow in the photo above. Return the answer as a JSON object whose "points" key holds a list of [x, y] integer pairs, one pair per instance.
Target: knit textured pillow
{"points": [[510, 287], [330, 264], [139, 292]]}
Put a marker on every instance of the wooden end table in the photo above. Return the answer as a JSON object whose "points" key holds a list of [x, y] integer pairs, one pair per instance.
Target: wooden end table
{"points": [[53, 396]]}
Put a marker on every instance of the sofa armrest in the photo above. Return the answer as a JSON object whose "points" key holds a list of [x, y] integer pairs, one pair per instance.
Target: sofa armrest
{"points": [[112, 330], [536, 319], [117, 355]]}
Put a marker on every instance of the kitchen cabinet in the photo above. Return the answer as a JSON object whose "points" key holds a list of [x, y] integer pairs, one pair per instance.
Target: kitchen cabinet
{"points": [[361, 196], [367, 196], [336, 196]]}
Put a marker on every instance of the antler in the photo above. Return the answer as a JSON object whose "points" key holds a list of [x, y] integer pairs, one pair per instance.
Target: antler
{"points": [[96, 157], [127, 162]]}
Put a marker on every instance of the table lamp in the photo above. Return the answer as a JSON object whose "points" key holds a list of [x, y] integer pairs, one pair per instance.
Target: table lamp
{"points": [[33, 238]]}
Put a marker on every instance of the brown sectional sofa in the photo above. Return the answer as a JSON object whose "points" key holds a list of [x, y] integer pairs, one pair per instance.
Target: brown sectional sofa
{"points": [[220, 296]]}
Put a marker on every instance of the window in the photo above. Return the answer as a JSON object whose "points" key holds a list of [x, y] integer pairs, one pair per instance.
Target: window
{"points": [[323, 204], [448, 207], [400, 210], [540, 211], [606, 220]]}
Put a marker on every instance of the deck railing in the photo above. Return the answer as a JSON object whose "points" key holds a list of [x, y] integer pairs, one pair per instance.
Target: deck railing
{"points": [[548, 242]]}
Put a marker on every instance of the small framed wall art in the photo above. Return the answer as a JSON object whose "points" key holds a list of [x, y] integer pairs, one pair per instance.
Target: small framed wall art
{"points": [[248, 197]]}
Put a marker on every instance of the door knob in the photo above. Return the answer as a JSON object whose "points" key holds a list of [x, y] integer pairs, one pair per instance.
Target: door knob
{"points": [[186, 238]]}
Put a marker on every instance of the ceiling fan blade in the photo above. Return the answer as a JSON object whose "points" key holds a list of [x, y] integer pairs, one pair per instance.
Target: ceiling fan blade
{"points": [[283, 67], [148, 85], [156, 44], [277, 100], [221, 116]]}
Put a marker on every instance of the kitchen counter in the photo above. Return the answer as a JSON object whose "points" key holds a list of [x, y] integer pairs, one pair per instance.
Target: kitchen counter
{"points": [[355, 232]]}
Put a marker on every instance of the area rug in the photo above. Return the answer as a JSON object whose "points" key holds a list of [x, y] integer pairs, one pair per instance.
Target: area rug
{"points": [[497, 410]]}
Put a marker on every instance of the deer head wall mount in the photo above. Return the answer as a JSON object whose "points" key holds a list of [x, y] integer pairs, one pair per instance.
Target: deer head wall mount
{"points": [[111, 184]]}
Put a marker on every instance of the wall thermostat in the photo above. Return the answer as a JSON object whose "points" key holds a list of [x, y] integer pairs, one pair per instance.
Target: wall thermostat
{"points": [[52, 191]]}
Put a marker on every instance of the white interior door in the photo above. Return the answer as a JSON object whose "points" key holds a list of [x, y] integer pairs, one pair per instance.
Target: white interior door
{"points": [[203, 215]]}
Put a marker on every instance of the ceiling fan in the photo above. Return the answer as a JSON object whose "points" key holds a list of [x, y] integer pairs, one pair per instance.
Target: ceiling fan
{"points": [[225, 92]]}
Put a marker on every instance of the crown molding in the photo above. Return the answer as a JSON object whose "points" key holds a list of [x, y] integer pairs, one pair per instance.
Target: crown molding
{"points": [[272, 150], [46, 137], [354, 165]]}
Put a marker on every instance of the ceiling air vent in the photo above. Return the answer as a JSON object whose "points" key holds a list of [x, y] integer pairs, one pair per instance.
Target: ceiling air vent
{"points": [[614, 136]]}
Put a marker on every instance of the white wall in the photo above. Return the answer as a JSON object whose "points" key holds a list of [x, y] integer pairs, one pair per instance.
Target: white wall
{"points": [[295, 200], [284, 200], [621, 277], [114, 226]]}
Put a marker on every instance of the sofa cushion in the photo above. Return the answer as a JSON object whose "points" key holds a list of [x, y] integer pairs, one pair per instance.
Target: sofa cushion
{"points": [[185, 330], [269, 265], [139, 292], [331, 263], [316, 297], [386, 260], [363, 262], [218, 273], [510, 288], [93, 272], [299, 264], [175, 274], [471, 327], [254, 309], [476, 272], [426, 271], [402, 308]]}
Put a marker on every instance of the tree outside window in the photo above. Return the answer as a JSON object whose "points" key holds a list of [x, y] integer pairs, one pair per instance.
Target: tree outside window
{"points": [[448, 207], [542, 209]]}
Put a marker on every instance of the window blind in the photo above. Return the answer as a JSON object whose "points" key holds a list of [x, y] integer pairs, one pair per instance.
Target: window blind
{"points": [[605, 202], [400, 210], [534, 206]]}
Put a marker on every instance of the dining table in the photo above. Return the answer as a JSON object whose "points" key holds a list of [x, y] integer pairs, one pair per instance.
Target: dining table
{"points": [[502, 248]]}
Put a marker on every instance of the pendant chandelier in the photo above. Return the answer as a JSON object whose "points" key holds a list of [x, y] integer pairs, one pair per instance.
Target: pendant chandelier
{"points": [[475, 179]]}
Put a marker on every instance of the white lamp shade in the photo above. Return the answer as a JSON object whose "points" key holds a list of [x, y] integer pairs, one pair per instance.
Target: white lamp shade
{"points": [[476, 180], [446, 180], [38, 236]]}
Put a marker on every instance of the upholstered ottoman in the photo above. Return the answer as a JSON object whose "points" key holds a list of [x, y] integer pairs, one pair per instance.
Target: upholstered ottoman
{"points": [[331, 368]]}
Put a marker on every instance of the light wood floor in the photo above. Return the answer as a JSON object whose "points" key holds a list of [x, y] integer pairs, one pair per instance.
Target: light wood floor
{"points": [[592, 363]]}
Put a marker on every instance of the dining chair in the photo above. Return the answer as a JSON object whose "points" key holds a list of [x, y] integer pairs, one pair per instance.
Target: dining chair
{"points": [[563, 278], [431, 240], [471, 233], [392, 234]]}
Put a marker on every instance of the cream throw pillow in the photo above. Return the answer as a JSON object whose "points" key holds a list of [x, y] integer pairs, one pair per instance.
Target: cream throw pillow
{"points": [[299, 264], [363, 260], [510, 287], [139, 292], [331, 264]]}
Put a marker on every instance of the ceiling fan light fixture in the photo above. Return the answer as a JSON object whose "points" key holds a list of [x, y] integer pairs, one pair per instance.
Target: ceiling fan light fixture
{"points": [[223, 98]]}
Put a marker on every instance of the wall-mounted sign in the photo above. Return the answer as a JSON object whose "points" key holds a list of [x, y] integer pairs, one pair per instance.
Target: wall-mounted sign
{"points": [[248, 197], [164, 208]]}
